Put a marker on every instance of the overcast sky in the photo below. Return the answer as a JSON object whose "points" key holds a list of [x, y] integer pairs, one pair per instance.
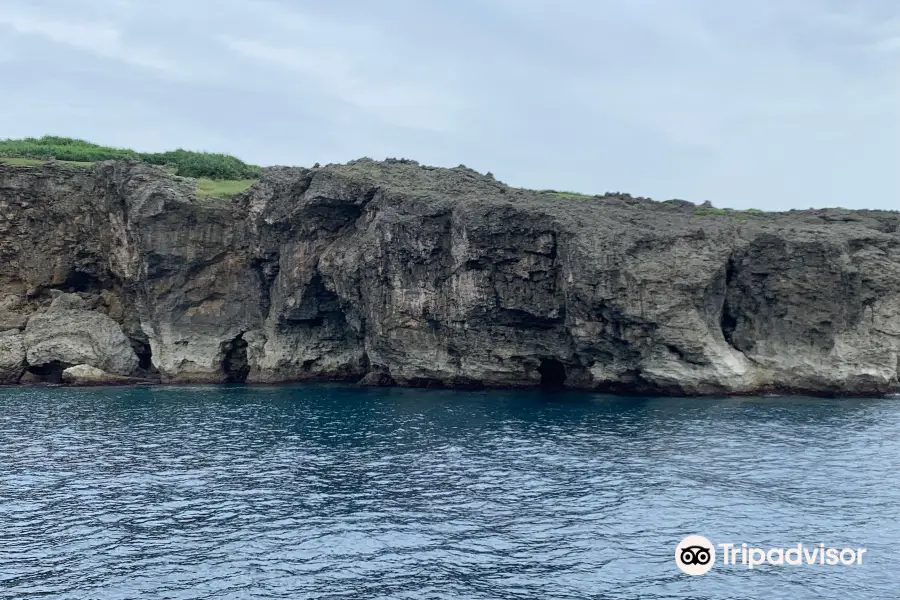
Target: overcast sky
{"points": [[773, 104]]}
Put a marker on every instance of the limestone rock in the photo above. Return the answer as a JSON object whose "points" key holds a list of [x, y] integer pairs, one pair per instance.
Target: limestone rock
{"points": [[76, 337], [63, 301], [11, 315], [398, 273], [12, 357], [11, 320], [86, 375], [378, 379]]}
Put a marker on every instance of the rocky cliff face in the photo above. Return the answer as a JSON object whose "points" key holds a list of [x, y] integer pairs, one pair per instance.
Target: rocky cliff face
{"points": [[391, 272]]}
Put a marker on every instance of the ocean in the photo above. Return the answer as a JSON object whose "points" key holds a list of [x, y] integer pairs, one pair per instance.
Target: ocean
{"points": [[330, 491]]}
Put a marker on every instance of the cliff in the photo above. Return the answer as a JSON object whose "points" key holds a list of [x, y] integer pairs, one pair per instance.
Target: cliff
{"points": [[395, 273]]}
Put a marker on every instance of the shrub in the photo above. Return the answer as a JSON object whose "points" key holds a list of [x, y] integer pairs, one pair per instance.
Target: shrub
{"points": [[186, 163]]}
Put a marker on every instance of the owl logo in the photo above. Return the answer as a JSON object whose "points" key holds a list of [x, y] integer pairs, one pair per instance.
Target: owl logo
{"points": [[695, 555]]}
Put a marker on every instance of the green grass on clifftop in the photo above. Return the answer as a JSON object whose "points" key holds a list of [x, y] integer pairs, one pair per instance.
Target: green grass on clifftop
{"points": [[183, 162], [223, 188], [9, 160]]}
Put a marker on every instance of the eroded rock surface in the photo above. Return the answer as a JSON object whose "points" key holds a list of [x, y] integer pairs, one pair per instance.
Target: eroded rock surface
{"points": [[12, 357], [74, 337], [395, 273]]}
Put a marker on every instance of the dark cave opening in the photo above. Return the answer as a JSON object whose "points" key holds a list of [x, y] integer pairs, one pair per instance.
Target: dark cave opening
{"points": [[235, 364], [79, 281], [50, 372], [553, 373]]}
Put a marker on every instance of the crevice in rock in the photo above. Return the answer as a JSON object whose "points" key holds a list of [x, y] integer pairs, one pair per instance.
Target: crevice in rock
{"points": [[266, 269], [141, 347], [370, 195], [513, 317], [553, 373], [676, 351], [728, 320], [235, 365]]}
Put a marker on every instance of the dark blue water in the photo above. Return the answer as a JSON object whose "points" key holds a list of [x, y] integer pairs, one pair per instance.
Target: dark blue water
{"points": [[330, 492]]}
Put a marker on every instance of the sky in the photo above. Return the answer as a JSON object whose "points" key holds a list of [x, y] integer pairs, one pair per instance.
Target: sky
{"points": [[772, 104]]}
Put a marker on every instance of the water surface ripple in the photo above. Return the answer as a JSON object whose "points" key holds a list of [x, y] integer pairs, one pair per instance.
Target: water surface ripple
{"points": [[339, 492]]}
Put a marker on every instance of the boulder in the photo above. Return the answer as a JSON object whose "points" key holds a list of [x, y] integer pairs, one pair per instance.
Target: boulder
{"points": [[64, 301], [87, 375], [79, 337]]}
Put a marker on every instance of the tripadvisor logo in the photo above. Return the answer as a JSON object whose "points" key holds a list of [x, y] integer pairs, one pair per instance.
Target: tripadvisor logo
{"points": [[696, 555]]}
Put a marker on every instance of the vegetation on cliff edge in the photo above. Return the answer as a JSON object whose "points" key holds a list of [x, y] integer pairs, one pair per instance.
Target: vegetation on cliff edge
{"points": [[184, 163], [222, 175]]}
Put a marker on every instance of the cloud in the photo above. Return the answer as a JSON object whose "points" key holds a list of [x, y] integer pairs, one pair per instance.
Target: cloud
{"points": [[350, 80], [100, 39], [770, 104], [352, 62]]}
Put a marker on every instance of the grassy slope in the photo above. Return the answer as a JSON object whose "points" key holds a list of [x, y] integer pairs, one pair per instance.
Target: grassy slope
{"points": [[11, 160], [216, 174], [222, 188]]}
